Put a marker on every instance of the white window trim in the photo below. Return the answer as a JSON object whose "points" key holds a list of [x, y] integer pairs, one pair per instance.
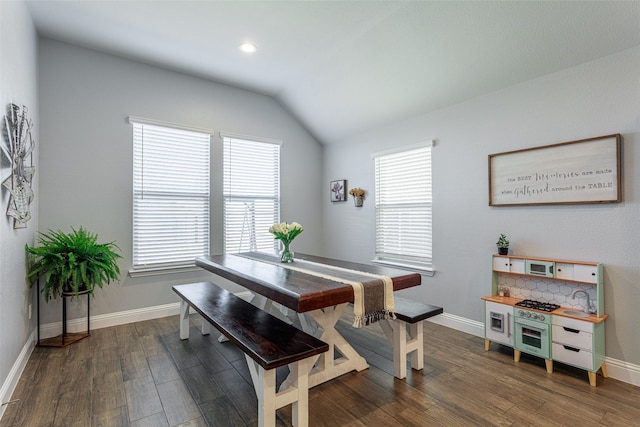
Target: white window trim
{"points": [[428, 143], [236, 197], [145, 121], [159, 271], [250, 138], [415, 267], [166, 268], [422, 268]]}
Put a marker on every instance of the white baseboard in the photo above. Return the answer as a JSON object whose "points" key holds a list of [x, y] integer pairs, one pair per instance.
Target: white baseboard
{"points": [[460, 324], [123, 317], [623, 371], [112, 319], [16, 371]]}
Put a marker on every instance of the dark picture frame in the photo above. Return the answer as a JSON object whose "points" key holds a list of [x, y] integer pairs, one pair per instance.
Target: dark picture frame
{"points": [[575, 172], [338, 190]]}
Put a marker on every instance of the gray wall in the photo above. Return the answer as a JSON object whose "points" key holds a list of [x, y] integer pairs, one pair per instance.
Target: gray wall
{"points": [[595, 99], [85, 175], [18, 85], [86, 152]]}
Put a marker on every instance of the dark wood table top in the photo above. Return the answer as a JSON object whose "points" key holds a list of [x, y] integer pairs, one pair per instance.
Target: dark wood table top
{"points": [[296, 290]]}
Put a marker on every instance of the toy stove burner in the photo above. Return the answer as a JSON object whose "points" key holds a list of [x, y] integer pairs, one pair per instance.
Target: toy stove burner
{"points": [[537, 305]]}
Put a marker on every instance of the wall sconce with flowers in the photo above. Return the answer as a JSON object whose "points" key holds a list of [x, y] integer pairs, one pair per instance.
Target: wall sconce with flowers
{"points": [[358, 196]]}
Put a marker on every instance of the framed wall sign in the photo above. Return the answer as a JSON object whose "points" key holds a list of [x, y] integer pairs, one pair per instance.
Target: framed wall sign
{"points": [[337, 190], [584, 171]]}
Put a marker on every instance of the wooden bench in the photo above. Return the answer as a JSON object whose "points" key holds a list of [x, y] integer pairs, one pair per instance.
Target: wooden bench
{"points": [[267, 342], [406, 333]]}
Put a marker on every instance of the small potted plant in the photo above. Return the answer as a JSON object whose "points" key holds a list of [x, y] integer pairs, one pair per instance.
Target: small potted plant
{"points": [[503, 245], [72, 263], [358, 196]]}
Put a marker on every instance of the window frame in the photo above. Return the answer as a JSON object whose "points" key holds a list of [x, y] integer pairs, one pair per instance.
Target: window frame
{"points": [[262, 234], [403, 260], [176, 266]]}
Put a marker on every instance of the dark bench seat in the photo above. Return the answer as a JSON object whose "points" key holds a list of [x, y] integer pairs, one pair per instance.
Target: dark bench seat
{"points": [[406, 333], [267, 342], [412, 311]]}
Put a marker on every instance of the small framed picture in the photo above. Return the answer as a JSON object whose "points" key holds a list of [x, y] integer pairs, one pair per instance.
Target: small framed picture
{"points": [[338, 190]]}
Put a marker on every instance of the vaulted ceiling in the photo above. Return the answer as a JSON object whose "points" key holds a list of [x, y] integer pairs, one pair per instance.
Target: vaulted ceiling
{"points": [[344, 67]]}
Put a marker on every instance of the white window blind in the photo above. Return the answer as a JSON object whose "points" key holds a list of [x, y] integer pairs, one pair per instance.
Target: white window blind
{"points": [[404, 207], [170, 196], [251, 190]]}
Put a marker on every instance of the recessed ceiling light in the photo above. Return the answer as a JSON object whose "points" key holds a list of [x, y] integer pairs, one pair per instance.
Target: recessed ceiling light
{"points": [[248, 47]]}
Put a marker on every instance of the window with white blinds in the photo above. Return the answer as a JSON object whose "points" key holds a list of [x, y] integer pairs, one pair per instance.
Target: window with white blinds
{"points": [[170, 196], [251, 191], [404, 207]]}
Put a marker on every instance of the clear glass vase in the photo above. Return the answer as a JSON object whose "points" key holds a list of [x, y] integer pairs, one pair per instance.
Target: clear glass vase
{"points": [[286, 254]]}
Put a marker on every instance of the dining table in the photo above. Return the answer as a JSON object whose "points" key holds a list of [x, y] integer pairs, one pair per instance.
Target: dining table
{"points": [[318, 302]]}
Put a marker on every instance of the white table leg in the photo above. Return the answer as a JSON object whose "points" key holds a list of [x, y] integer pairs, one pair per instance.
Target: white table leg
{"points": [[271, 307], [328, 367], [309, 325]]}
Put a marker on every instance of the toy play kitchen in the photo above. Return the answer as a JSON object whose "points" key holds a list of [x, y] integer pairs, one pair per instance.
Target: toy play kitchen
{"points": [[549, 308]]}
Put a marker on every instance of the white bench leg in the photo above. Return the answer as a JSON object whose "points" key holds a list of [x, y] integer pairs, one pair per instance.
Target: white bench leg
{"points": [[300, 408], [269, 399], [416, 345], [406, 339], [264, 382], [184, 320]]}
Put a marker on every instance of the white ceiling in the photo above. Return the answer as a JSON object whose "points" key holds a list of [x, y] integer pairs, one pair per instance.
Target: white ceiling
{"points": [[344, 67]]}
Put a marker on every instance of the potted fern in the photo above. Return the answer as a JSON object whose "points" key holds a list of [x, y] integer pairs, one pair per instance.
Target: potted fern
{"points": [[72, 263]]}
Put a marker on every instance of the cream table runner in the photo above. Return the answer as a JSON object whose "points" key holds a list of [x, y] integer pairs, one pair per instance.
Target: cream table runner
{"points": [[373, 293]]}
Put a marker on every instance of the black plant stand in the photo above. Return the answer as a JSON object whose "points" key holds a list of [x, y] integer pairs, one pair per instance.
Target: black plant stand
{"points": [[66, 338]]}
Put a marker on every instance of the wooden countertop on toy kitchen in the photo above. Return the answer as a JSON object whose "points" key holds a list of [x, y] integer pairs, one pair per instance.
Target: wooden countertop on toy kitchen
{"points": [[557, 312]]}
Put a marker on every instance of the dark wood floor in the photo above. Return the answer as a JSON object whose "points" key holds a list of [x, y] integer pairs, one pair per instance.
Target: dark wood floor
{"points": [[142, 374]]}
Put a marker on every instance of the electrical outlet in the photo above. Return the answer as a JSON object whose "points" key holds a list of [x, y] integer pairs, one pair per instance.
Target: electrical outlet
{"points": [[29, 311]]}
